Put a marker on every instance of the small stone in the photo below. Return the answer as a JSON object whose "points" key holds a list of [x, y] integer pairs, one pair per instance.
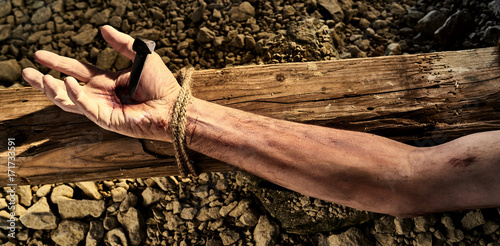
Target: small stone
{"points": [[24, 193], [229, 237], [118, 194], [288, 11], [393, 49], [430, 22], [203, 214], [242, 207], [151, 195], [266, 232], [379, 24], [491, 35], [129, 201], [384, 225], [151, 34], [249, 218], [188, 213], [243, 12], [3, 203], [10, 71], [90, 189], [5, 31], [106, 58], [351, 237], [116, 237], [218, 41], [397, 10], [363, 23], [490, 227], [61, 192], [85, 37], [423, 239], [42, 15], [39, 216], [163, 182], [197, 15], [249, 42], [5, 8], [334, 8], [176, 207], [473, 219], [43, 190], [447, 222], [134, 225], [101, 18], [78, 209], [95, 234], [110, 223], [122, 62], [225, 210], [402, 226], [115, 21], [69, 232], [205, 35], [455, 28], [424, 223], [455, 236]]}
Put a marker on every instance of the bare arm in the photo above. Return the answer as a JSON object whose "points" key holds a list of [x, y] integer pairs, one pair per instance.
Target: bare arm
{"points": [[356, 169]]}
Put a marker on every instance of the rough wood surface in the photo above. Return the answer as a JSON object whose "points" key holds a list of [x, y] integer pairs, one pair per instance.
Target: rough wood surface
{"points": [[419, 99]]}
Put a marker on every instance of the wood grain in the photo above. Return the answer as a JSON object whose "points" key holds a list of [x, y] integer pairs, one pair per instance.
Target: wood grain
{"points": [[422, 100]]}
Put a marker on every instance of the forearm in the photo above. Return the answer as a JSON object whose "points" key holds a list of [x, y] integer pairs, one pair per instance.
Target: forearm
{"points": [[350, 168]]}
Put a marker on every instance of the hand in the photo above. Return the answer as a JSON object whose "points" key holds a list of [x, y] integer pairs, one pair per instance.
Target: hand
{"points": [[99, 97]]}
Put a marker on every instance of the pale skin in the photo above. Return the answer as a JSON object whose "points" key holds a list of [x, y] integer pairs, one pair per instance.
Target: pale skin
{"points": [[355, 169]]}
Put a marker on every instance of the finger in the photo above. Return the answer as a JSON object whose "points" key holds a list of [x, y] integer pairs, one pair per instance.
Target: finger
{"points": [[33, 77], [55, 90], [121, 42], [80, 99], [71, 67]]}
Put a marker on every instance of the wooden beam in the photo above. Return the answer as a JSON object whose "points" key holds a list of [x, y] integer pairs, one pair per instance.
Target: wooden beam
{"points": [[422, 99]]}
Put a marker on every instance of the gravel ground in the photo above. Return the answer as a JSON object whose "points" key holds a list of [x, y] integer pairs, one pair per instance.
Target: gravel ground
{"points": [[230, 208]]}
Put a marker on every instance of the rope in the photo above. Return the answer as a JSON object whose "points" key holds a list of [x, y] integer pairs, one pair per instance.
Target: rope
{"points": [[178, 122]]}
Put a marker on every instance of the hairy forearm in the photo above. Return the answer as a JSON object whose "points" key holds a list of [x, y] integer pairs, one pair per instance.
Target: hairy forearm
{"points": [[350, 168]]}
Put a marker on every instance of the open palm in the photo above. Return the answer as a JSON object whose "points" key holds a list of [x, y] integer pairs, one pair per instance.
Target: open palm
{"points": [[101, 97]]}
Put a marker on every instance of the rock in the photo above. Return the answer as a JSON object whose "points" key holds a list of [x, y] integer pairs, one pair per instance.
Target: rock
{"points": [[455, 28], [197, 15], [43, 190], [288, 11], [241, 13], [379, 24], [188, 213], [101, 18], [447, 222], [151, 34], [430, 22], [218, 41], [402, 226], [90, 190], [61, 192], [163, 182], [242, 207], [455, 236], [151, 195], [116, 237], [39, 216], [351, 237], [42, 15], [10, 71], [491, 35], [110, 223], [105, 59], [473, 219], [266, 232], [363, 23], [334, 8], [424, 223], [203, 214], [85, 37], [490, 227], [69, 232], [134, 225], [229, 237], [176, 207], [384, 225], [122, 62], [129, 201], [3, 203], [238, 41], [5, 31], [5, 8], [115, 21], [423, 239], [24, 193], [118, 194], [393, 49], [205, 35], [78, 209], [249, 217], [57, 6], [397, 10], [95, 234]]}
